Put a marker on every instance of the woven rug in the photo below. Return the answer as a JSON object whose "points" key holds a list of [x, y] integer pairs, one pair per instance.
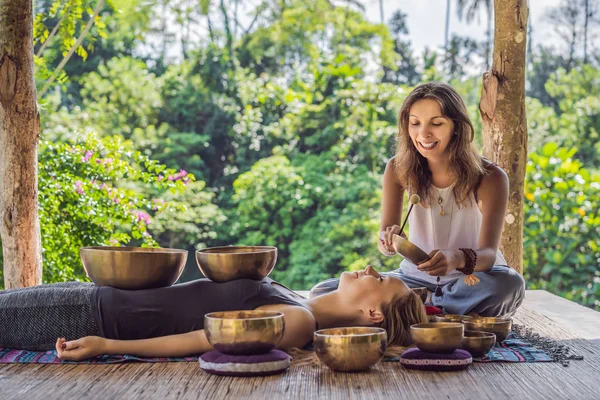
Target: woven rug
{"points": [[8, 356], [521, 346]]}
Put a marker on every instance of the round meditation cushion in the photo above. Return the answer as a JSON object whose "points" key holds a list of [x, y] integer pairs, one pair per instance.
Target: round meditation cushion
{"points": [[417, 359], [273, 362]]}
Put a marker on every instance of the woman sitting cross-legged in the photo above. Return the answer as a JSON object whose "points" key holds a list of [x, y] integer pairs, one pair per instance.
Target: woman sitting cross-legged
{"points": [[461, 213], [82, 320]]}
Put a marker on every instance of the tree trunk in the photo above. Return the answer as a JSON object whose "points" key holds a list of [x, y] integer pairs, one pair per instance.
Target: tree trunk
{"points": [[502, 109], [19, 137]]}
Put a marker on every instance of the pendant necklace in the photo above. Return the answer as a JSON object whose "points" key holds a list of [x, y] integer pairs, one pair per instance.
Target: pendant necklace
{"points": [[440, 201]]}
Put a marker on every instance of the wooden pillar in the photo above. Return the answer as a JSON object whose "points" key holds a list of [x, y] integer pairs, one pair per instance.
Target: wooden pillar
{"points": [[19, 137]]}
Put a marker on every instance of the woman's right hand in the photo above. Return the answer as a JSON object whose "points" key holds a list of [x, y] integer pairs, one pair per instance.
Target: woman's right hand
{"points": [[80, 349], [385, 239]]}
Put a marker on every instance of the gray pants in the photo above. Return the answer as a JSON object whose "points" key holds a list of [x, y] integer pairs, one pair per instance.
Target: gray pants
{"points": [[499, 293], [33, 318]]}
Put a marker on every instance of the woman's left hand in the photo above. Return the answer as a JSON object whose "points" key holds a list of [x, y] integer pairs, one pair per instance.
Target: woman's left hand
{"points": [[442, 262], [80, 349]]}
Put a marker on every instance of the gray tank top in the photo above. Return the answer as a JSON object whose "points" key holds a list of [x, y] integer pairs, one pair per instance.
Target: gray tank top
{"points": [[141, 314]]}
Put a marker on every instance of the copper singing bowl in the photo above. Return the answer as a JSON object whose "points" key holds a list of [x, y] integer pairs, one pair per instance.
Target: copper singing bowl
{"points": [[452, 318], [437, 337], [408, 250], [422, 292], [222, 264], [244, 332], [478, 343], [133, 267], [499, 326], [350, 349]]}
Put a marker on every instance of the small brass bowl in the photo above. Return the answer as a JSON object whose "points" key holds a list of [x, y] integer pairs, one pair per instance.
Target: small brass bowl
{"points": [[408, 250], [244, 332], [452, 318], [222, 264], [478, 343], [350, 349], [422, 292], [437, 337], [498, 326], [133, 267]]}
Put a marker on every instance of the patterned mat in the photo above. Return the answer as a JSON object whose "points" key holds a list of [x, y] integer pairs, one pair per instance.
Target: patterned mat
{"points": [[516, 348], [49, 357]]}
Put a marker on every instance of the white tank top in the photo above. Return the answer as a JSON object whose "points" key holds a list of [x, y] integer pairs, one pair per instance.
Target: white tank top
{"points": [[429, 230]]}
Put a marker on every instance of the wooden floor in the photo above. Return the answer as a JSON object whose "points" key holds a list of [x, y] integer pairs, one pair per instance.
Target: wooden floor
{"points": [[547, 314]]}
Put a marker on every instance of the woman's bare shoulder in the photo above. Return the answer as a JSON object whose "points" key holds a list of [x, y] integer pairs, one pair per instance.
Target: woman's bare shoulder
{"points": [[493, 183]]}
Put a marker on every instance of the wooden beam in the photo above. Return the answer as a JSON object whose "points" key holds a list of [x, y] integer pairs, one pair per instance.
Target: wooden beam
{"points": [[19, 138]]}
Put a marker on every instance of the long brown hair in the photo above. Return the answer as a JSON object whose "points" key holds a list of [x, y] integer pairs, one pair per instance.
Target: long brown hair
{"points": [[399, 315], [467, 167]]}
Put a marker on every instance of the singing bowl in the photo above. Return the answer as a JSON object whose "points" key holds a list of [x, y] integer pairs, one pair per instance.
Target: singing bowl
{"points": [[133, 267], [350, 349], [478, 343], [244, 332], [408, 250], [452, 318], [222, 264], [498, 326], [437, 337], [422, 292]]}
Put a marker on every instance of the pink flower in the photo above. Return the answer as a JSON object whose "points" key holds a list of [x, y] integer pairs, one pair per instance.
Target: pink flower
{"points": [[142, 216], [160, 178], [87, 156], [171, 177], [79, 187], [182, 173]]}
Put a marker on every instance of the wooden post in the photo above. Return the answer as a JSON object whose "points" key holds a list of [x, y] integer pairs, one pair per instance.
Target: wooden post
{"points": [[19, 137], [502, 109]]}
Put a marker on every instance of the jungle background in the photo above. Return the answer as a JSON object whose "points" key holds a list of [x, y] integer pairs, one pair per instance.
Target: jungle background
{"points": [[200, 123]]}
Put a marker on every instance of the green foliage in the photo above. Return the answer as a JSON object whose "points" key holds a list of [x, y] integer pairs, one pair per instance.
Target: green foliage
{"points": [[123, 98], [90, 194], [578, 95], [562, 225], [191, 220]]}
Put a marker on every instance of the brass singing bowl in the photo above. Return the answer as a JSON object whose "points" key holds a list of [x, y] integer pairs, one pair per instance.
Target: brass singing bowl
{"points": [[244, 332], [133, 267], [452, 318], [350, 349], [498, 326], [222, 264], [408, 250], [437, 337], [478, 343], [422, 292]]}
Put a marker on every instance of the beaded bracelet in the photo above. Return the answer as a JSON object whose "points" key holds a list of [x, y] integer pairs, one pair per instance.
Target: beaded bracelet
{"points": [[469, 268]]}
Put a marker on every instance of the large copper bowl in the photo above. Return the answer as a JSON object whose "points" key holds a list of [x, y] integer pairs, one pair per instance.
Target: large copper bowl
{"points": [[350, 349], [222, 264], [133, 267], [437, 337], [244, 332], [498, 326]]}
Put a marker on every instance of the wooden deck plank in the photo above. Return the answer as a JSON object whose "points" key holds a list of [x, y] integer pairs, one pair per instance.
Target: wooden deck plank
{"points": [[542, 312]]}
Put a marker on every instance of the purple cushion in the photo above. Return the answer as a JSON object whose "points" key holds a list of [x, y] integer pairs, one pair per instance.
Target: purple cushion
{"points": [[273, 362], [417, 359]]}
